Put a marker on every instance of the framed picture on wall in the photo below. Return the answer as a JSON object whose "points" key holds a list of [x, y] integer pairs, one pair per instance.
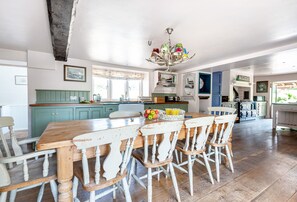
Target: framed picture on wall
{"points": [[204, 81], [74, 73], [262, 86], [189, 84]]}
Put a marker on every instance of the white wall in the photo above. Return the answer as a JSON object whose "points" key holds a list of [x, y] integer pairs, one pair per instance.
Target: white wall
{"points": [[12, 55], [12, 94], [41, 74], [14, 98], [228, 78], [271, 79], [225, 83], [54, 79]]}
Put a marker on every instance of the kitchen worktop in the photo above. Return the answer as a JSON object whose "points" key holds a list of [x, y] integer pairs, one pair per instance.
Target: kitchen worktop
{"points": [[102, 103]]}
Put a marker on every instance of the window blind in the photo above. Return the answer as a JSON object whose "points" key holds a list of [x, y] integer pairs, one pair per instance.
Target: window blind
{"points": [[113, 74]]}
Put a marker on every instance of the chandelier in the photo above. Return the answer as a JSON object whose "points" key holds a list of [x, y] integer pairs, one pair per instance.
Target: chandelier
{"points": [[169, 55]]}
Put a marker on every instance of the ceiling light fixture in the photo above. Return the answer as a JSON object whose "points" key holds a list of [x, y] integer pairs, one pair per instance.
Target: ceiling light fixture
{"points": [[169, 55]]}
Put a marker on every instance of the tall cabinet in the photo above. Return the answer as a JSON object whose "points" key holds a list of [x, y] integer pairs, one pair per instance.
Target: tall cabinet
{"points": [[261, 108]]}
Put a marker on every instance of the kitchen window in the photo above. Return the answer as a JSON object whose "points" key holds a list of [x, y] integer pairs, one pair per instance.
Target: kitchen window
{"points": [[112, 85], [284, 92]]}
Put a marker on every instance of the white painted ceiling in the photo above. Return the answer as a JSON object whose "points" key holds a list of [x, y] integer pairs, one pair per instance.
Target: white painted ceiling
{"points": [[117, 32]]}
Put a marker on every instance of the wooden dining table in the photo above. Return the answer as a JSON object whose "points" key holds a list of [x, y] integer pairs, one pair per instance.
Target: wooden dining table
{"points": [[59, 135]]}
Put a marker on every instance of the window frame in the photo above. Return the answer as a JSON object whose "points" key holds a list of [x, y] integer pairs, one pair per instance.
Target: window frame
{"points": [[109, 88]]}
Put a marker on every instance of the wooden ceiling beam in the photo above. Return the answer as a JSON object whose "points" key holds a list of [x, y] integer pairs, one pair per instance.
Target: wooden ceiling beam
{"points": [[61, 19]]}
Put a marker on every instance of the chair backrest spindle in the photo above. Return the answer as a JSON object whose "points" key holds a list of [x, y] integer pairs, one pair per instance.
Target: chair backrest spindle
{"points": [[97, 166], [27, 161], [219, 111]]}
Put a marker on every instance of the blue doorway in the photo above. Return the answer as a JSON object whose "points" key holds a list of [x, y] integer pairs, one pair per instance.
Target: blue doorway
{"points": [[216, 88]]}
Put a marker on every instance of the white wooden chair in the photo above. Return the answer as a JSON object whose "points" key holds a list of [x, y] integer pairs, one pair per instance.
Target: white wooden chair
{"points": [[15, 144], [102, 172], [221, 110], [198, 130], [123, 114], [163, 137], [223, 128], [24, 171]]}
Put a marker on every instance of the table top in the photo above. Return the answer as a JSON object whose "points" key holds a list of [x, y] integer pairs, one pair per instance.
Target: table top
{"points": [[60, 134]]}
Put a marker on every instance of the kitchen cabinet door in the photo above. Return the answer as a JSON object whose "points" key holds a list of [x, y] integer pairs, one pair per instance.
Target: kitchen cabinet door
{"points": [[96, 113], [82, 113], [109, 109], [64, 114], [42, 116]]}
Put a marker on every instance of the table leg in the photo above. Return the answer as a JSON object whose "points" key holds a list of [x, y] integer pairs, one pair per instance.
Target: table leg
{"points": [[65, 173]]}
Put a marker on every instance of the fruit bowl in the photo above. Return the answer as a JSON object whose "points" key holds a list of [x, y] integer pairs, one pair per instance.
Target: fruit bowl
{"points": [[151, 114]]}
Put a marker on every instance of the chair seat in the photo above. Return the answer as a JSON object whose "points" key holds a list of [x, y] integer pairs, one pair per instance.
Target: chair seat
{"points": [[92, 186], [139, 155], [180, 147], [35, 168]]}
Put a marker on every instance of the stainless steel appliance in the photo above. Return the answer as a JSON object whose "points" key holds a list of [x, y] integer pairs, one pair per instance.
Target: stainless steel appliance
{"points": [[259, 98], [176, 98], [169, 99]]}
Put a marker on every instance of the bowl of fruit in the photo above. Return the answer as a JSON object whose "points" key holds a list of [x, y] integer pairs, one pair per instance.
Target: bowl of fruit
{"points": [[151, 114]]}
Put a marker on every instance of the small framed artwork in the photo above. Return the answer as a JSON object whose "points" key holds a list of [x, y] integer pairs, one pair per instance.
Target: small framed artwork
{"points": [[21, 80], [204, 83], [74, 73], [262, 86], [189, 84]]}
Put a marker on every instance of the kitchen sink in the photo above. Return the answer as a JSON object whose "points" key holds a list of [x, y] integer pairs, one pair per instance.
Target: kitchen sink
{"points": [[133, 106]]}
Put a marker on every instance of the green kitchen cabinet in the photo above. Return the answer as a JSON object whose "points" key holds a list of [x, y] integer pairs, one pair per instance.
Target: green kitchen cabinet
{"points": [[41, 116], [109, 109], [83, 113]]}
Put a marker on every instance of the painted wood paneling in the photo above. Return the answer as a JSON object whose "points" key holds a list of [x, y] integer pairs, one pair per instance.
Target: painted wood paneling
{"points": [[60, 96]]}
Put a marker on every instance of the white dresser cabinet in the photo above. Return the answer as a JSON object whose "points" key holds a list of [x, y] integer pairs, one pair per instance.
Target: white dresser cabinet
{"points": [[261, 108]]}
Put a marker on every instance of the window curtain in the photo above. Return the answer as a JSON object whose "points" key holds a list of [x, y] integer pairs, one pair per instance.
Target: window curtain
{"points": [[113, 74]]}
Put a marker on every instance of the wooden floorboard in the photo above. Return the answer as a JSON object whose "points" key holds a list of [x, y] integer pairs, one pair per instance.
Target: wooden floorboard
{"points": [[265, 164]]}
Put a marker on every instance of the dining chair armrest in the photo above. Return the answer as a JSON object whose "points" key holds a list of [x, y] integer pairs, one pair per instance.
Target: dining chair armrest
{"points": [[31, 155], [25, 164], [28, 140]]}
